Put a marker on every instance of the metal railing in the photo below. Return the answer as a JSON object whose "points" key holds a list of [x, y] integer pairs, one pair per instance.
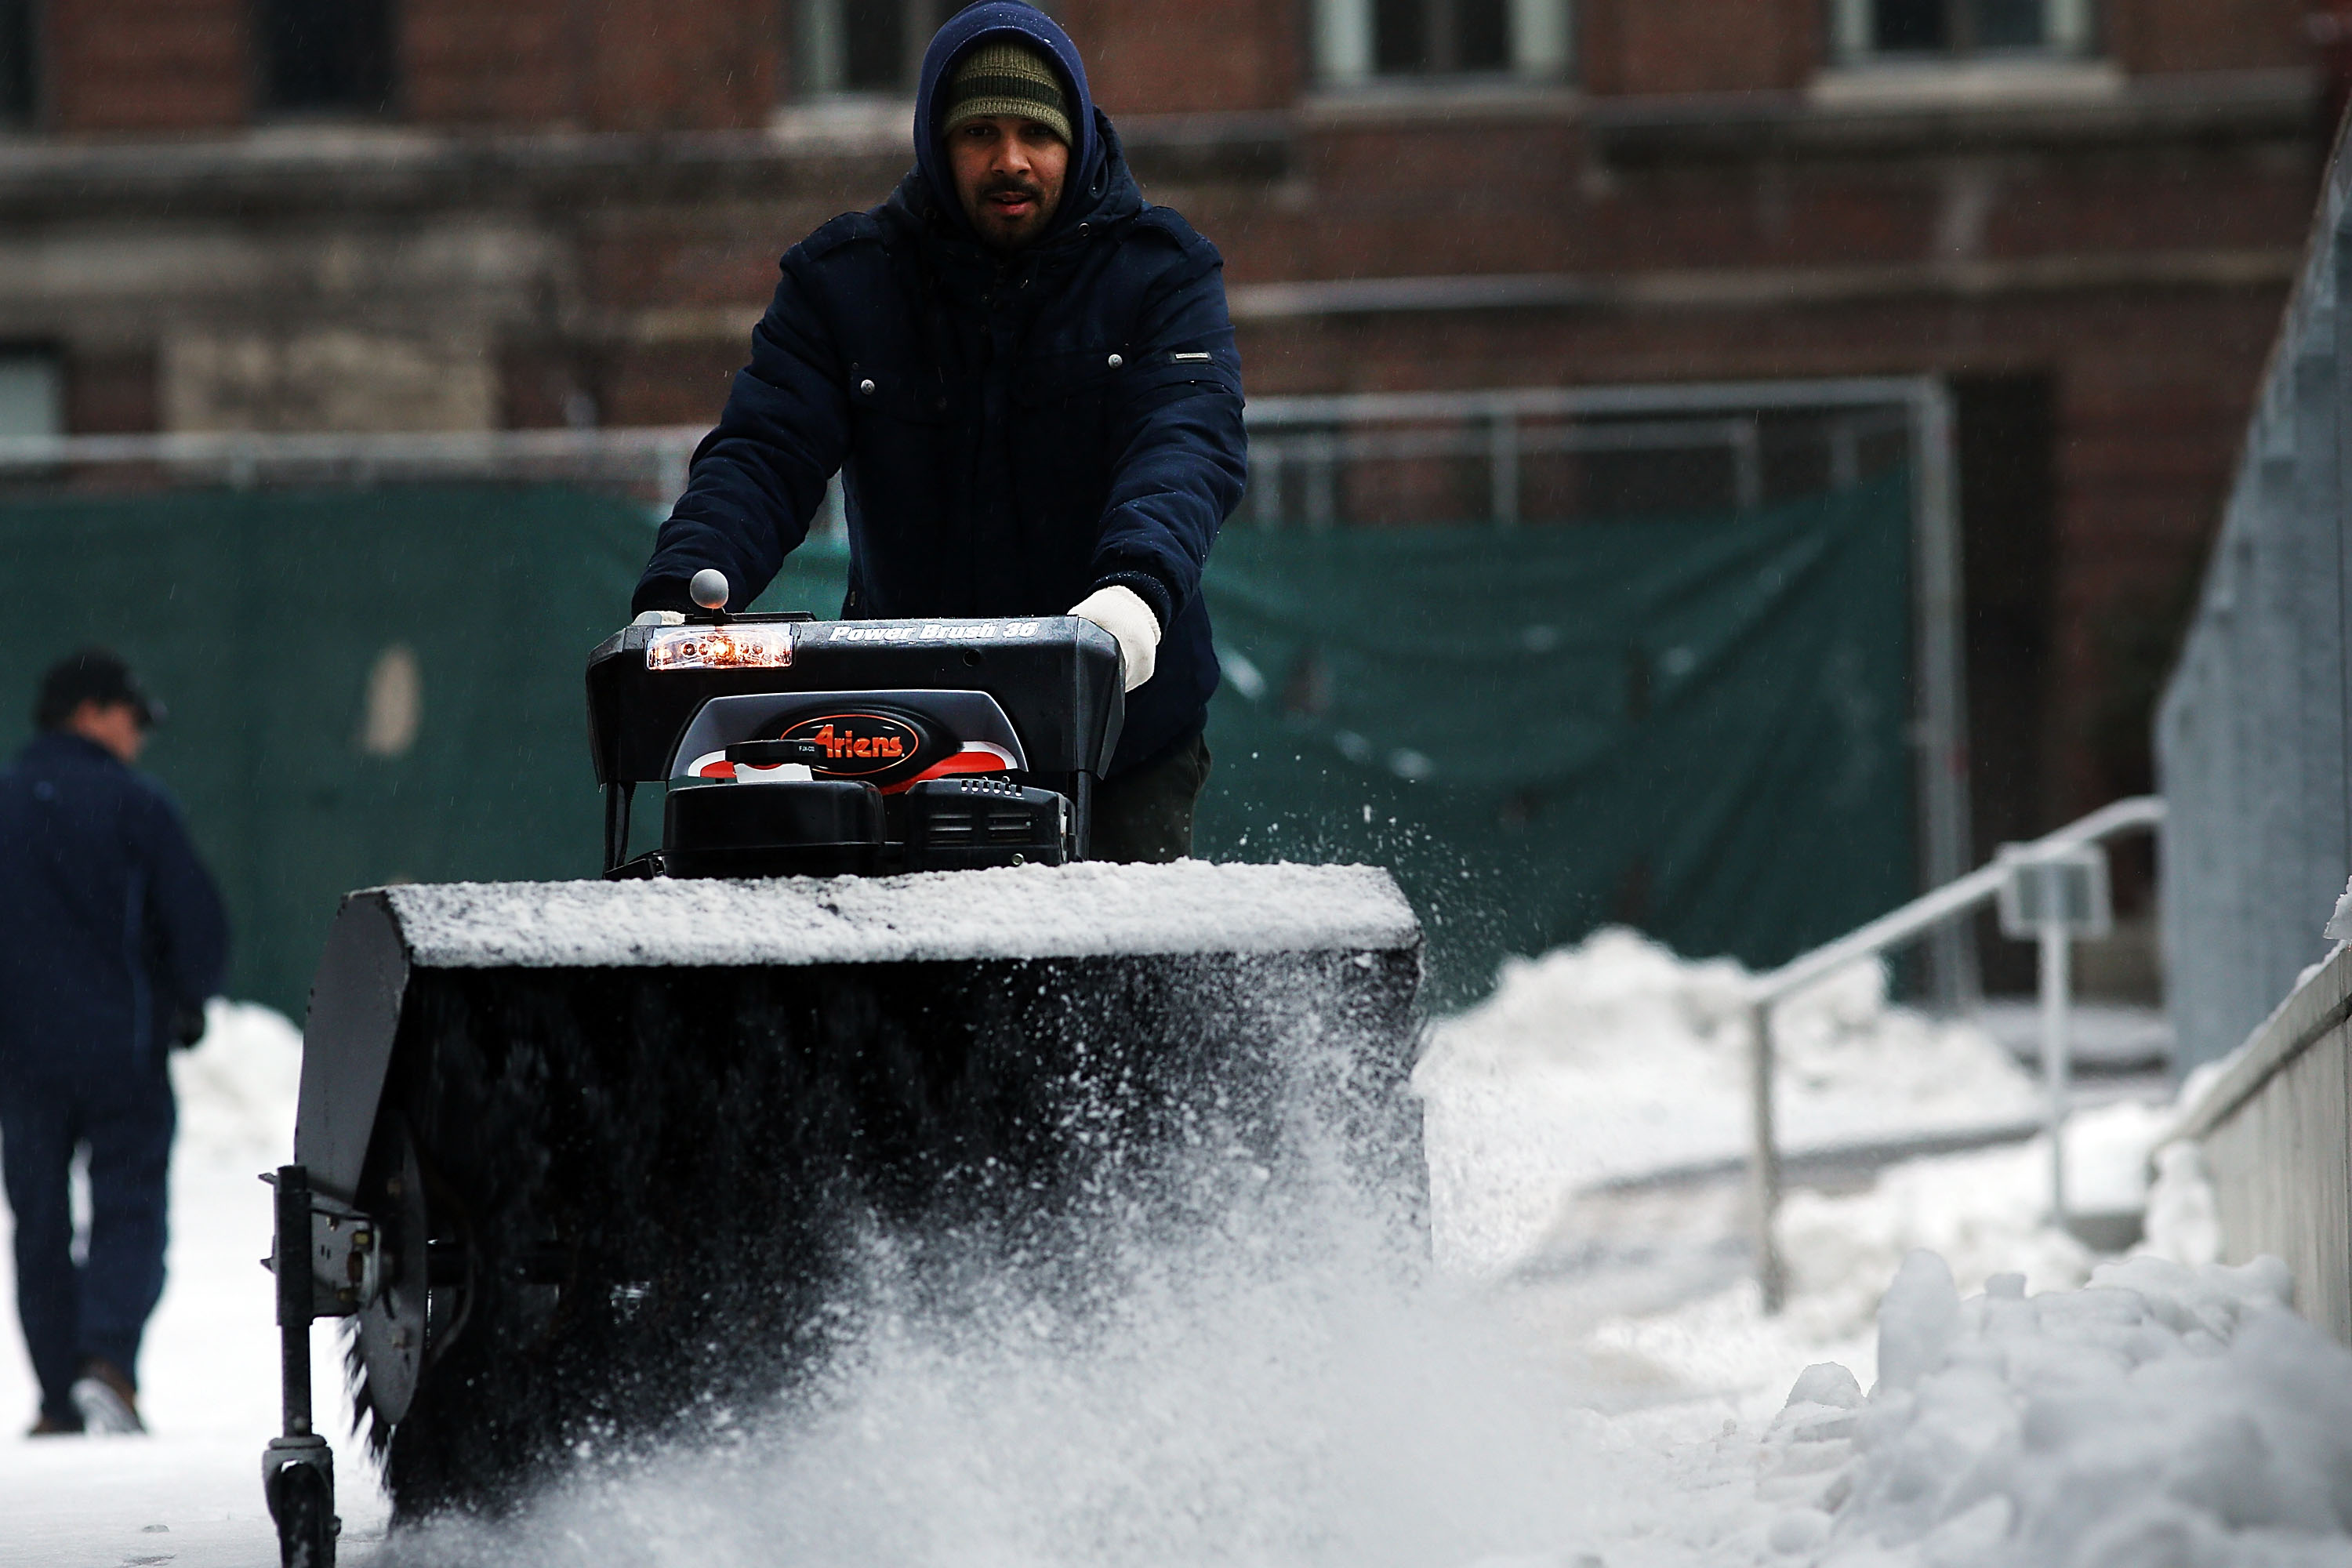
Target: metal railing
{"points": [[2275, 1134], [1300, 446], [1921, 916]]}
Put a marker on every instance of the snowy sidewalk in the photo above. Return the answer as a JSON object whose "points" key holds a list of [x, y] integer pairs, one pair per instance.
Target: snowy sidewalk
{"points": [[1288, 1394]]}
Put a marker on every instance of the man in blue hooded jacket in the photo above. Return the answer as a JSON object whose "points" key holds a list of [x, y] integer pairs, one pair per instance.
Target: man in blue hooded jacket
{"points": [[1025, 375]]}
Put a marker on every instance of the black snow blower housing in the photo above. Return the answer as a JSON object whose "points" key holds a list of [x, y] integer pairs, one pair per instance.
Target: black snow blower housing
{"points": [[792, 747], [576, 1160]]}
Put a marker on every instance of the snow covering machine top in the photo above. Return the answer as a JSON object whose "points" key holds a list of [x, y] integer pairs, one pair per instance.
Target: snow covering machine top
{"points": [[576, 1161]]}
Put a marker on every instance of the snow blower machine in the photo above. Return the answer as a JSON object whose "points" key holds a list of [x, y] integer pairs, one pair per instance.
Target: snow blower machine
{"points": [[580, 1162]]}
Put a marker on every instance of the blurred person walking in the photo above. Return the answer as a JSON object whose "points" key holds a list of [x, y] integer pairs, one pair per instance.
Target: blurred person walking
{"points": [[111, 938]]}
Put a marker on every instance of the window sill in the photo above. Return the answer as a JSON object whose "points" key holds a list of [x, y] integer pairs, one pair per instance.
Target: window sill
{"points": [[1926, 117], [1883, 85], [315, 128], [846, 123], [1390, 98]]}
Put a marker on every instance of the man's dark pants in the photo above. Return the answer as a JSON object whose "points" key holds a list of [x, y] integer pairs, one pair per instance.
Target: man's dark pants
{"points": [[1146, 812], [99, 1308]]}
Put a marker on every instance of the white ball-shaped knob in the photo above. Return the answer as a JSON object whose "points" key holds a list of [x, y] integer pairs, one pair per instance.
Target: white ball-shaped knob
{"points": [[708, 589]]}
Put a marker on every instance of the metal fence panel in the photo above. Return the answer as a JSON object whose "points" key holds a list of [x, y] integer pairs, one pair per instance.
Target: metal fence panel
{"points": [[2251, 734]]}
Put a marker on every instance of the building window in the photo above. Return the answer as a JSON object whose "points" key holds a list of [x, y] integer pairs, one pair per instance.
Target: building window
{"points": [[19, 78], [1915, 29], [864, 47], [1361, 40], [32, 393], [325, 57]]}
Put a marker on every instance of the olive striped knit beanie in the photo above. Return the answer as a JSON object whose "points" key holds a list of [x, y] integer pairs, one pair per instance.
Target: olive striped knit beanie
{"points": [[1006, 76]]}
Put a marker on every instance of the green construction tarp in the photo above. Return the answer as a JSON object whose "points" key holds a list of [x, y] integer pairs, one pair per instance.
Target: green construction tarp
{"points": [[1693, 724], [263, 620]]}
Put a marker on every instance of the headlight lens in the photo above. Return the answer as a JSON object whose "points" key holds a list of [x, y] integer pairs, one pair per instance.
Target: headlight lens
{"points": [[736, 646]]}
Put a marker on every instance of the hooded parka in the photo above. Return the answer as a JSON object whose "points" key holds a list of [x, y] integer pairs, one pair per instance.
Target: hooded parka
{"points": [[1013, 430]]}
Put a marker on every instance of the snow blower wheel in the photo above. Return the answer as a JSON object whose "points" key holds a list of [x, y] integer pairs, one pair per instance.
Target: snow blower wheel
{"points": [[304, 1509], [392, 1322], [583, 1158]]}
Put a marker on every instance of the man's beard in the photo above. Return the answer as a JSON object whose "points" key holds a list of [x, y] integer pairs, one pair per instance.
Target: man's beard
{"points": [[995, 226]]}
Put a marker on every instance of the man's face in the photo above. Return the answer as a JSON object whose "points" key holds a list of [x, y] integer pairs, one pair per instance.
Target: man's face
{"points": [[1008, 175], [113, 725]]}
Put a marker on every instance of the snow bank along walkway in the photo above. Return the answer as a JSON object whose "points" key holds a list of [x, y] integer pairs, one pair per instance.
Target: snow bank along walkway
{"points": [[2165, 1415]]}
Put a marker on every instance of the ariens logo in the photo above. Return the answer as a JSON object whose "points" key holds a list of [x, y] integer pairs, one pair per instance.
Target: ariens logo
{"points": [[857, 744], [849, 744]]}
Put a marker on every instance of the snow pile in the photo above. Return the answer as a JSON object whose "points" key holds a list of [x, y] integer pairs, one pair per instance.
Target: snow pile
{"points": [[1985, 1213], [2167, 1415], [1615, 1059], [1620, 1006], [237, 1087], [2109, 1153], [2184, 1218]]}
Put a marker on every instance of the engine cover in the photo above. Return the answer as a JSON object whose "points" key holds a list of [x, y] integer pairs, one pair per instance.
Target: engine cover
{"points": [[809, 827], [953, 824]]}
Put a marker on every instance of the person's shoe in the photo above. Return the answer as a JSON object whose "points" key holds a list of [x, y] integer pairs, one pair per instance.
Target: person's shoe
{"points": [[109, 1405], [45, 1428]]}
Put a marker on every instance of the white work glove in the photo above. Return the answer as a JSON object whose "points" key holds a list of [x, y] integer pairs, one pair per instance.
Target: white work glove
{"points": [[1122, 613]]}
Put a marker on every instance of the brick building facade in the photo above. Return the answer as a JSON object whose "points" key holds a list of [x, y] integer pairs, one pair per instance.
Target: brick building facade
{"points": [[422, 213]]}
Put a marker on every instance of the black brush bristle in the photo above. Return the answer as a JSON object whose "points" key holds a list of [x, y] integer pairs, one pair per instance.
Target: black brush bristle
{"points": [[657, 1178]]}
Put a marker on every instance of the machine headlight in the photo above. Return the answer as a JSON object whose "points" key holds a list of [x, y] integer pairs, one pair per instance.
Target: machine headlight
{"points": [[736, 646]]}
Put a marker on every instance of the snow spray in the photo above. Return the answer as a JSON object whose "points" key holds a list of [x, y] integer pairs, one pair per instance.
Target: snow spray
{"points": [[1222, 1357]]}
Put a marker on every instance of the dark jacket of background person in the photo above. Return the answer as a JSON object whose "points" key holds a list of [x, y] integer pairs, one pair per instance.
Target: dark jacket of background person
{"points": [[1015, 431], [108, 924]]}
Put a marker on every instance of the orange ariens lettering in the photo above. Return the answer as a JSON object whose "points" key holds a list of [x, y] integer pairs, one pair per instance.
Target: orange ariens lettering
{"points": [[858, 745]]}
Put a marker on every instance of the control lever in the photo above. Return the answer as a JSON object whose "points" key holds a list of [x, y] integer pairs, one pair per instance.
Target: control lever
{"points": [[708, 589]]}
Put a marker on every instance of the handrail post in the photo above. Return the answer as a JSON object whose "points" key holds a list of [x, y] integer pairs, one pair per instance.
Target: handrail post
{"points": [[2057, 985], [1764, 1164]]}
